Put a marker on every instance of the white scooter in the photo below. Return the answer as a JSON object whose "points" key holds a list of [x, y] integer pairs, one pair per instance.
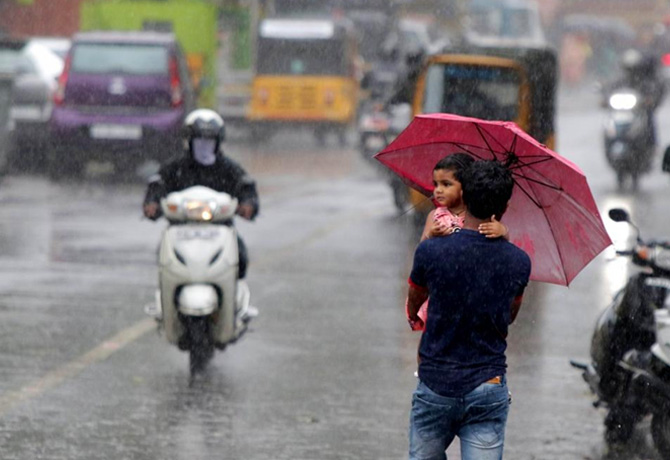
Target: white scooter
{"points": [[200, 303]]}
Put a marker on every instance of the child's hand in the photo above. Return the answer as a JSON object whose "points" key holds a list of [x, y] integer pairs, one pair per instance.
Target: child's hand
{"points": [[438, 229], [493, 229]]}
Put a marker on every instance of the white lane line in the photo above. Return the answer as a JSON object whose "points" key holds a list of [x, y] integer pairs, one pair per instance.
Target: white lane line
{"points": [[76, 366], [128, 335]]}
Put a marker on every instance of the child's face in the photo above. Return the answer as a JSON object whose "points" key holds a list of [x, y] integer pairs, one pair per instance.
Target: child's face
{"points": [[447, 189]]}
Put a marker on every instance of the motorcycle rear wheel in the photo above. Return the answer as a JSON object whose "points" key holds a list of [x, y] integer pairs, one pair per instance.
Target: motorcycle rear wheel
{"points": [[660, 432]]}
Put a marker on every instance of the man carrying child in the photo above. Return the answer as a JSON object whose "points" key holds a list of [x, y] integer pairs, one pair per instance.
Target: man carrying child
{"points": [[475, 286]]}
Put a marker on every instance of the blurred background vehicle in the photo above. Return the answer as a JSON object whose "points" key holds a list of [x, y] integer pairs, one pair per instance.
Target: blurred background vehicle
{"points": [[122, 97], [597, 41], [504, 22], [307, 75], [10, 56], [421, 35], [41, 63]]}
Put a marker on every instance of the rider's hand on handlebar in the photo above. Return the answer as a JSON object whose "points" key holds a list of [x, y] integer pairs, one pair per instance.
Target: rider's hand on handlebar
{"points": [[150, 210], [245, 210]]}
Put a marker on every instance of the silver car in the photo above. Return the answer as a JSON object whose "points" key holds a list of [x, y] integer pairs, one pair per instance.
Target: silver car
{"points": [[36, 80]]}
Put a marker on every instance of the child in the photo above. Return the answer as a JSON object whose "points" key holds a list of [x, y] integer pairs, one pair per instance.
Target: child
{"points": [[447, 217]]}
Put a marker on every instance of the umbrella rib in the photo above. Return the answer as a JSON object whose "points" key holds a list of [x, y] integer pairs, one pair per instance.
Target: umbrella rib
{"points": [[513, 146], [481, 131], [542, 159], [412, 208], [527, 193], [463, 147], [530, 179]]}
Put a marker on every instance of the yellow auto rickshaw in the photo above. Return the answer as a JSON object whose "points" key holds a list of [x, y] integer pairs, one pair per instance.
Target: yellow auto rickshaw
{"points": [[493, 83], [306, 75]]}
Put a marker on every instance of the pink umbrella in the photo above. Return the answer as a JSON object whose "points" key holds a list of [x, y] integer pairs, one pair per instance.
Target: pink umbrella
{"points": [[552, 214]]}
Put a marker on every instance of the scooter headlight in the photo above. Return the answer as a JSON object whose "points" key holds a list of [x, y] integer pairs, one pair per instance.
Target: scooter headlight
{"points": [[200, 210], [623, 101]]}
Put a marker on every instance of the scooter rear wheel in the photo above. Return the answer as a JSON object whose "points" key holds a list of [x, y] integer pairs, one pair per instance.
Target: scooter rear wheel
{"points": [[660, 432]]}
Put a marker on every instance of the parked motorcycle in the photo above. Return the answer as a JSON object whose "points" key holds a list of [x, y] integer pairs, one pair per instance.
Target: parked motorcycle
{"points": [[200, 303], [629, 135], [630, 348]]}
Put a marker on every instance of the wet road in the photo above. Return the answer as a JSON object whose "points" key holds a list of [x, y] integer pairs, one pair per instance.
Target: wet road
{"points": [[326, 372]]}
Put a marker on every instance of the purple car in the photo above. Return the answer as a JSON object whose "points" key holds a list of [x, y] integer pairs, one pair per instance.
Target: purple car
{"points": [[122, 98]]}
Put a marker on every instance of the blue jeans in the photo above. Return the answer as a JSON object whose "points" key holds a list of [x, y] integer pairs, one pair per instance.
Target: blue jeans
{"points": [[478, 419]]}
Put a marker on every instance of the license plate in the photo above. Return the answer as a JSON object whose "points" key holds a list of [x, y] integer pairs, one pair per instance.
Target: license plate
{"points": [[128, 132], [26, 112]]}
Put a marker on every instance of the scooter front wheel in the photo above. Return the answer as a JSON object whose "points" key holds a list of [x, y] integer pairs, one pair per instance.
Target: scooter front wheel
{"points": [[201, 346], [660, 432]]}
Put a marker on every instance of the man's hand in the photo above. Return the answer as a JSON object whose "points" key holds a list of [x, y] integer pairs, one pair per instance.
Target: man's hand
{"points": [[245, 210], [151, 210]]}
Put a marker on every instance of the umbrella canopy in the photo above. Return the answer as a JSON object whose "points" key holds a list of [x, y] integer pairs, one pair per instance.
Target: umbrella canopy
{"points": [[552, 214]]}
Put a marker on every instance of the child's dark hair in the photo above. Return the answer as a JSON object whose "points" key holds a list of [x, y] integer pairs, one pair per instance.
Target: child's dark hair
{"points": [[456, 163], [487, 188]]}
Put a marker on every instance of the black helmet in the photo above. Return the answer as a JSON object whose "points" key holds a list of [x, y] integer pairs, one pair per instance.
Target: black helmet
{"points": [[204, 123]]}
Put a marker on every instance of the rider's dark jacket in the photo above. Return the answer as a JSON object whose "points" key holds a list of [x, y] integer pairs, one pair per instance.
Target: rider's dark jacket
{"points": [[225, 175]]}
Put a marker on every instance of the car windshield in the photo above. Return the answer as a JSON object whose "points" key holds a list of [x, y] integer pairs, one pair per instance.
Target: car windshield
{"points": [[97, 58], [490, 93]]}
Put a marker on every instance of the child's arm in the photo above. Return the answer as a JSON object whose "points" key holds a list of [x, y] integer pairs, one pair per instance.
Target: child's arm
{"points": [[494, 229], [431, 228]]}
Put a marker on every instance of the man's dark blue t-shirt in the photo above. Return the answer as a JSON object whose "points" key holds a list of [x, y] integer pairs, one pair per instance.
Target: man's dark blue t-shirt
{"points": [[472, 281]]}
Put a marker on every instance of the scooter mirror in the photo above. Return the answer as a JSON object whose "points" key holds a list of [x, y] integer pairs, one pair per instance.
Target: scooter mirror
{"points": [[666, 160], [619, 215]]}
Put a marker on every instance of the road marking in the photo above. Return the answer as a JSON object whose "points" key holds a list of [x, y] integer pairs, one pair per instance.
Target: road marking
{"points": [[76, 366], [128, 335]]}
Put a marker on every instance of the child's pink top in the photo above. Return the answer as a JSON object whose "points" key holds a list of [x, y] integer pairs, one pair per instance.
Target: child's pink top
{"points": [[443, 215]]}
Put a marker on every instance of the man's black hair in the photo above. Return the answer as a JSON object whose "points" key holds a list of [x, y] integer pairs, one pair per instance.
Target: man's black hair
{"points": [[456, 163], [487, 188]]}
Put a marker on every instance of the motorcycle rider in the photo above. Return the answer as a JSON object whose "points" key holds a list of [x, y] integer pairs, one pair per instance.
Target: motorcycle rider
{"points": [[205, 164], [640, 73]]}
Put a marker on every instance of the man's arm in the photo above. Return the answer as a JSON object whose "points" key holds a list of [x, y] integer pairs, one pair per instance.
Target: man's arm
{"points": [[244, 189], [248, 196], [155, 191], [416, 296]]}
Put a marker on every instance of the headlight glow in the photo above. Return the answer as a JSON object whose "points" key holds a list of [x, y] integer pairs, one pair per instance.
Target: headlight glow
{"points": [[623, 101], [200, 210]]}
